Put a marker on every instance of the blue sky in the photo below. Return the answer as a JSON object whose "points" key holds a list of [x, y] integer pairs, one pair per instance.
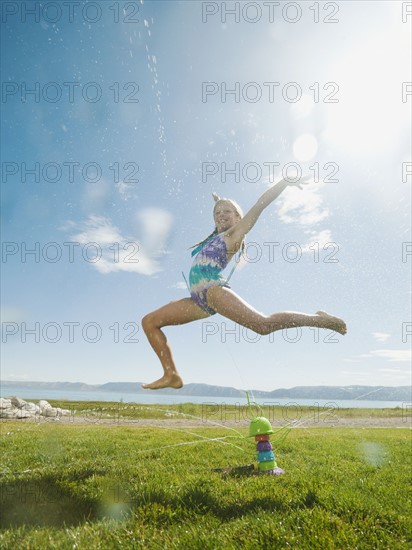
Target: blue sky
{"points": [[130, 115]]}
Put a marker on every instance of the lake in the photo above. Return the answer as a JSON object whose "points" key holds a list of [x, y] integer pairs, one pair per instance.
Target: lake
{"points": [[155, 398]]}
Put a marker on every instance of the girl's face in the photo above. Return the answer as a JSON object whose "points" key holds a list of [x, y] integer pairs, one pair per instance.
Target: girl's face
{"points": [[225, 216]]}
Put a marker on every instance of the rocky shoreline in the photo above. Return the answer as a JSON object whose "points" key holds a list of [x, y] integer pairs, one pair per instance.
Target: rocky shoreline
{"points": [[17, 408]]}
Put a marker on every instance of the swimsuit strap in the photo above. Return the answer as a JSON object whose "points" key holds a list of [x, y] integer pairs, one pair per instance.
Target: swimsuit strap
{"points": [[234, 267], [187, 284], [231, 271]]}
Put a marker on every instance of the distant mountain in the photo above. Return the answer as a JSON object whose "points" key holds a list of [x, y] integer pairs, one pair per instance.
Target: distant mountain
{"points": [[365, 393]]}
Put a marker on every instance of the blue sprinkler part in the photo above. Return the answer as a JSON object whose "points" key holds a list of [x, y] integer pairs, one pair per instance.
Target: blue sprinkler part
{"points": [[265, 456]]}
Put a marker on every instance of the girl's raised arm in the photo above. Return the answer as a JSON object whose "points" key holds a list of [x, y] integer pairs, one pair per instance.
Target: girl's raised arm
{"points": [[236, 234]]}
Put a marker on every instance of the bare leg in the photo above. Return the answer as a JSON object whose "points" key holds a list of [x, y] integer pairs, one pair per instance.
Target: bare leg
{"points": [[176, 313], [226, 302]]}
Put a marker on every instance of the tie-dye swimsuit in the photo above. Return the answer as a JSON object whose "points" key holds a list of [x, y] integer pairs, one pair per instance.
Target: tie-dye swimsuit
{"points": [[206, 270]]}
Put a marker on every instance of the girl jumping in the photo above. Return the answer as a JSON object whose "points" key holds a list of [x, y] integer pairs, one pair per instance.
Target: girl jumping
{"points": [[210, 293]]}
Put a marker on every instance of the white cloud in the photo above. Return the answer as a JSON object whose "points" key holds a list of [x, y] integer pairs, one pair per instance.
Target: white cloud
{"points": [[393, 370], [318, 241], [181, 285], [381, 336], [125, 189], [305, 207], [362, 374], [11, 318], [112, 251], [98, 229], [156, 224], [17, 377], [396, 355], [96, 194], [302, 206], [12, 315], [396, 373]]}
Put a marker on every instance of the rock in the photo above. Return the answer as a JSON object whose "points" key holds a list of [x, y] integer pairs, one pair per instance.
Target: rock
{"points": [[17, 402], [14, 412], [8, 413], [21, 413], [18, 408], [31, 407], [49, 411]]}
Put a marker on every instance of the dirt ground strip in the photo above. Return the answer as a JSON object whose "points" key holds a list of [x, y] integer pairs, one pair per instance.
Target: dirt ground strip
{"points": [[304, 422]]}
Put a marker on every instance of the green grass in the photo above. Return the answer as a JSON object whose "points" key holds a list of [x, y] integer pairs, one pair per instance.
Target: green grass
{"points": [[115, 486], [218, 411]]}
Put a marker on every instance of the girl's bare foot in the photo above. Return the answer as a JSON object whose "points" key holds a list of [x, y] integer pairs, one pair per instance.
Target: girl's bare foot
{"points": [[167, 381], [334, 323]]}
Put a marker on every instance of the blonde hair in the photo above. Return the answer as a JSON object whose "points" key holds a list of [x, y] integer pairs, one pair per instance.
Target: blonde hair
{"points": [[233, 203]]}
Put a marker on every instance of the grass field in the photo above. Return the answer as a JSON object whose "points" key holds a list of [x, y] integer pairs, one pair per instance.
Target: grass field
{"points": [[128, 486], [208, 412]]}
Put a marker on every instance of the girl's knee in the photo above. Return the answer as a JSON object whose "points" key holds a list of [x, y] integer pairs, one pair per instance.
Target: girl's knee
{"points": [[147, 322], [262, 329]]}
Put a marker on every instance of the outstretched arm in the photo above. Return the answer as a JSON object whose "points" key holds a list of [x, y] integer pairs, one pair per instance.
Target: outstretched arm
{"points": [[236, 234]]}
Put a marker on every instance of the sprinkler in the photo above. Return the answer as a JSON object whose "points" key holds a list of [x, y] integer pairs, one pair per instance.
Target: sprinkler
{"points": [[261, 429]]}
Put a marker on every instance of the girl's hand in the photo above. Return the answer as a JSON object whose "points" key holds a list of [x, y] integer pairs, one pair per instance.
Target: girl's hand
{"points": [[299, 183]]}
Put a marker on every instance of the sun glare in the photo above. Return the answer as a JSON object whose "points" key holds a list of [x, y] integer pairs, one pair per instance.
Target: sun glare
{"points": [[305, 147], [370, 116]]}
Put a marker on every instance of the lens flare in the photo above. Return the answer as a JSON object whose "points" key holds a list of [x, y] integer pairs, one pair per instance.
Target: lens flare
{"points": [[305, 147]]}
